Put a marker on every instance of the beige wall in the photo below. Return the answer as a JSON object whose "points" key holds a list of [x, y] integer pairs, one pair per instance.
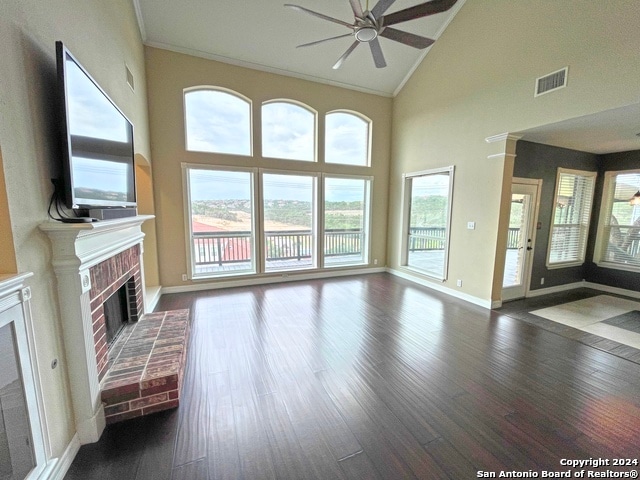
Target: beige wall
{"points": [[169, 73], [144, 192], [478, 81], [7, 251], [103, 35]]}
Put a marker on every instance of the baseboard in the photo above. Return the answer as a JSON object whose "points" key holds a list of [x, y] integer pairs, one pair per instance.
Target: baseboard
{"points": [[434, 286], [264, 280], [558, 288], [584, 284], [609, 289], [152, 297], [61, 465]]}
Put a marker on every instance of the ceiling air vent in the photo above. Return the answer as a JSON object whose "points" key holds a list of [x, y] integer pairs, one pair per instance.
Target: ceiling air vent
{"points": [[551, 82]]}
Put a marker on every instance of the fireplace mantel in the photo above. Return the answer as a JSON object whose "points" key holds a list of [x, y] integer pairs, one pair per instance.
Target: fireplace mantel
{"points": [[87, 244], [77, 247]]}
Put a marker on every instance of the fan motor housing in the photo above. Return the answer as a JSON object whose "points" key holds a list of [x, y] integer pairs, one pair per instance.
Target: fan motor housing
{"points": [[366, 34]]}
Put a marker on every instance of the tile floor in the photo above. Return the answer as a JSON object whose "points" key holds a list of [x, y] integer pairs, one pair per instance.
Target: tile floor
{"points": [[604, 321], [603, 315]]}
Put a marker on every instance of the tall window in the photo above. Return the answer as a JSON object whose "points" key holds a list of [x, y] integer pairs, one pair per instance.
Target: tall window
{"points": [[346, 220], [289, 203], [288, 131], [427, 218], [217, 121], [570, 220], [618, 241], [221, 221], [346, 138]]}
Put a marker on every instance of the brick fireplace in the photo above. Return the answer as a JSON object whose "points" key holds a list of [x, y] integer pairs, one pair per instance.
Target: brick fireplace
{"points": [[107, 277], [91, 261]]}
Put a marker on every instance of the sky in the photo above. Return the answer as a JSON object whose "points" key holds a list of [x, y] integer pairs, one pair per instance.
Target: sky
{"points": [[105, 163], [100, 175], [227, 185], [90, 113], [427, 185], [218, 121]]}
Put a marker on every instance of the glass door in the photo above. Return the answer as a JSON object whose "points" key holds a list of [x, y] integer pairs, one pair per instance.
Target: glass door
{"points": [[520, 240]]}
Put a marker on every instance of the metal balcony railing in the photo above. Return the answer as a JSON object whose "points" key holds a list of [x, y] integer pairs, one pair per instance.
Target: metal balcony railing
{"points": [[219, 248]]}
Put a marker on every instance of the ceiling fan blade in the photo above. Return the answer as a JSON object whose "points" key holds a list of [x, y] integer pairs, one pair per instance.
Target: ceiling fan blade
{"points": [[324, 40], [418, 11], [344, 56], [319, 15], [357, 8], [381, 7], [411, 39], [376, 52]]}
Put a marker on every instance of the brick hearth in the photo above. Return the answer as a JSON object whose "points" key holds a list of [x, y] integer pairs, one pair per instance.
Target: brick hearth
{"points": [[147, 364]]}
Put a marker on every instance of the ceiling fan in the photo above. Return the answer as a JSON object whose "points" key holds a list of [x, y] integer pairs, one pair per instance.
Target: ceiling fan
{"points": [[368, 25]]}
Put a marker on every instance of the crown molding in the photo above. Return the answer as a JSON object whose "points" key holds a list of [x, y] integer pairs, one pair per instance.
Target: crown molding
{"points": [[502, 136]]}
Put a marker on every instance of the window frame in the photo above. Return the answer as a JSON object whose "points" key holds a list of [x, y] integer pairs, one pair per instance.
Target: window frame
{"points": [[584, 228], [366, 228], [369, 124], [228, 91], [301, 105], [407, 187], [315, 222], [606, 210], [256, 259]]}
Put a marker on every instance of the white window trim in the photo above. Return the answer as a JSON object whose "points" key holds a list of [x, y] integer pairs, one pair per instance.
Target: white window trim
{"points": [[223, 90], [605, 210], [366, 245], [406, 220], [190, 254], [317, 192], [359, 115]]}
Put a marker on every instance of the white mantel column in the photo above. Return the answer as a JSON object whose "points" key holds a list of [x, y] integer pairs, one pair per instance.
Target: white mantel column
{"points": [[76, 248]]}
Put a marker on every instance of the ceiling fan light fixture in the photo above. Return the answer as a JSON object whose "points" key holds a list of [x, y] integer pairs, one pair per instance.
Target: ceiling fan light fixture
{"points": [[366, 34], [635, 200]]}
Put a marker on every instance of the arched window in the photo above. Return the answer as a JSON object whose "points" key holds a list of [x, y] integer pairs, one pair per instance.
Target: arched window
{"points": [[288, 131], [217, 120], [347, 138]]}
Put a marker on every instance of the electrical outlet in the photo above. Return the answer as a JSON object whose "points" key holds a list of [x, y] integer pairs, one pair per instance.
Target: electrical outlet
{"points": [[542, 281], [459, 283], [375, 261], [184, 277], [471, 225]]}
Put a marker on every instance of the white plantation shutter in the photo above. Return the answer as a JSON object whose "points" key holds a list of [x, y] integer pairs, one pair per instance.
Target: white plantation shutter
{"points": [[570, 221], [620, 230]]}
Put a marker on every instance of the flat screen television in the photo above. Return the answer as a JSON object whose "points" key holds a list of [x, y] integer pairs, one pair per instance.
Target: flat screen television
{"points": [[97, 142]]}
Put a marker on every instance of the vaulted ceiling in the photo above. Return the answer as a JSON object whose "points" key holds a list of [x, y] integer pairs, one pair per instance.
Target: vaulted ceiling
{"points": [[263, 34]]}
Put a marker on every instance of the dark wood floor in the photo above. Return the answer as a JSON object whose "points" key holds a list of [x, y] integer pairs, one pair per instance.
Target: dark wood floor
{"points": [[372, 377]]}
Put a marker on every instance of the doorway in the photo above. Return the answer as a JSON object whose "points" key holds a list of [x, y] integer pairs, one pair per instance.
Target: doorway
{"points": [[521, 238]]}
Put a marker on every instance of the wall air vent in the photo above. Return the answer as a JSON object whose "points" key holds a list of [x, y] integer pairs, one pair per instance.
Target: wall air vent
{"points": [[551, 82], [130, 80]]}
